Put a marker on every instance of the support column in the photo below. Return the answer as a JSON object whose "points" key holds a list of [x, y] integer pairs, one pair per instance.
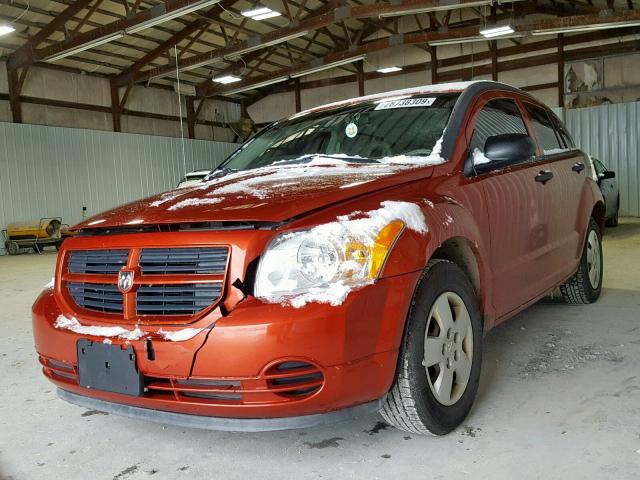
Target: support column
{"points": [[14, 95], [434, 65], [360, 66], [494, 60], [296, 91], [116, 111], [560, 70], [191, 117]]}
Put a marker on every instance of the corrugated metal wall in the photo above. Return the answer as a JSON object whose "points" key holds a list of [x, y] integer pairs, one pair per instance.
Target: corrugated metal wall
{"points": [[50, 171], [611, 133]]}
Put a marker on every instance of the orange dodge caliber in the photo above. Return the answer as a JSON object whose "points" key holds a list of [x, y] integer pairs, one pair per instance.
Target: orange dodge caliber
{"points": [[342, 261]]}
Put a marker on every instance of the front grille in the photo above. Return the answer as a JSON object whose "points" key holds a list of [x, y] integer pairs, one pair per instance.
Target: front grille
{"points": [[102, 262], [101, 297], [181, 299], [158, 290], [187, 261]]}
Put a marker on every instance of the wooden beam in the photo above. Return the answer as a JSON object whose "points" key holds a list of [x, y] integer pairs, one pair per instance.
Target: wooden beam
{"points": [[116, 109], [560, 70], [14, 95], [24, 55], [191, 117], [296, 84], [434, 64], [360, 77]]}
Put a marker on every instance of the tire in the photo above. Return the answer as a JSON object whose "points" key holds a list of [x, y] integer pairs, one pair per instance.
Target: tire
{"points": [[586, 284], [413, 403], [12, 247], [613, 221]]}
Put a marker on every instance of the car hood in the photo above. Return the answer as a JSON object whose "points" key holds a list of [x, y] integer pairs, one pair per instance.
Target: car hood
{"points": [[270, 194]]}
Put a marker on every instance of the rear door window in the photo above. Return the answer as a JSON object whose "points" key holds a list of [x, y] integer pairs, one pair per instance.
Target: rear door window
{"points": [[545, 131], [497, 117]]}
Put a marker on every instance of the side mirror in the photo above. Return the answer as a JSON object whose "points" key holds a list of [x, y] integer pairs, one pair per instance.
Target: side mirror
{"points": [[607, 175], [509, 148]]}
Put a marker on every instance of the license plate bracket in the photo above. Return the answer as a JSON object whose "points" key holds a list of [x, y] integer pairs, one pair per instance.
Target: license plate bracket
{"points": [[109, 367]]}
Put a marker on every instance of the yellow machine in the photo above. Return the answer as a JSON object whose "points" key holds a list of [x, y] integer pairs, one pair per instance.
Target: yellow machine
{"points": [[48, 232]]}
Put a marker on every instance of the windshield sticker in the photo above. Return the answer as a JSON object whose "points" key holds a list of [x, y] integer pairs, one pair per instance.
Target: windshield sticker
{"points": [[405, 103], [351, 130]]}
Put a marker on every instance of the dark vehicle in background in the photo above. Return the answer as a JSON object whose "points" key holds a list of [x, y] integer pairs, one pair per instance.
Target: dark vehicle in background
{"points": [[610, 191]]}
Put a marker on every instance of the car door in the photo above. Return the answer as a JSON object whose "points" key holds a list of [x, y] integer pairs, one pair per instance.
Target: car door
{"points": [[567, 166], [607, 187], [519, 208]]}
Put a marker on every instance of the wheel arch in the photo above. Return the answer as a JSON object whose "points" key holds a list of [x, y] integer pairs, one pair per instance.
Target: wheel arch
{"points": [[599, 215]]}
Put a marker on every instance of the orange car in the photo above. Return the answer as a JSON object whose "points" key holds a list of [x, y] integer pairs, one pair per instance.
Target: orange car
{"points": [[345, 260]]}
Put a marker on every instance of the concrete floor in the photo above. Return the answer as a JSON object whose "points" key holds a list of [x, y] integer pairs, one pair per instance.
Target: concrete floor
{"points": [[559, 398]]}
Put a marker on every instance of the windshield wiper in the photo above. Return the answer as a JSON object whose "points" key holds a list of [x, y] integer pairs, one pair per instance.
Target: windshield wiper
{"points": [[218, 173], [311, 156]]}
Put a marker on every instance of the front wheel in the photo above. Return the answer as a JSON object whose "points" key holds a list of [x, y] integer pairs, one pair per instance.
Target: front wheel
{"points": [[439, 363], [586, 284]]}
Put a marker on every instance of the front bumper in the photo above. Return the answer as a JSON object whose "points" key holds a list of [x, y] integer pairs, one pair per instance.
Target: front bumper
{"points": [[352, 348]]}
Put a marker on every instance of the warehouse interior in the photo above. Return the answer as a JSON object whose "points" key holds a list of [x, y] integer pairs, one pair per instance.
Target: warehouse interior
{"points": [[103, 102]]}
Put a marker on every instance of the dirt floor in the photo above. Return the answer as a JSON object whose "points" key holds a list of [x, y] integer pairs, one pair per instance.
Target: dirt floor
{"points": [[559, 398]]}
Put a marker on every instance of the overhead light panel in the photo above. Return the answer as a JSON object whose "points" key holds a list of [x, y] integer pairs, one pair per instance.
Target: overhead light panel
{"points": [[260, 13], [389, 69], [160, 15], [435, 8], [226, 79], [585, 28], [327, 66], [84, 46], [256, 43], [6, 29], [496, 31], [257, 85]]}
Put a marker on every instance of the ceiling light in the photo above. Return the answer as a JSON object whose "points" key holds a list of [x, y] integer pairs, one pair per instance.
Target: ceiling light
{"points": [[6, 29], [160, 15], [389, 69], [320, 68], [491, 32], [435, 8], [585, 28], [455, 41], [256, 43], [260, 13], [257, 85], [85, 46], [225, 79]]}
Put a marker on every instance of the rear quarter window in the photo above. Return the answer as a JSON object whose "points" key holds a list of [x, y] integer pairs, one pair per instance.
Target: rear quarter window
{"points": [[548, 138]]}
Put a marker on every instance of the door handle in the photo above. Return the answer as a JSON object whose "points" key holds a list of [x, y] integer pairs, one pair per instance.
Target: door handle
{"points": [[544, 176], [578, 167]]}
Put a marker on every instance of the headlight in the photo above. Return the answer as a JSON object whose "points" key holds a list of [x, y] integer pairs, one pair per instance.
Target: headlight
{"points": [[329, 259]]}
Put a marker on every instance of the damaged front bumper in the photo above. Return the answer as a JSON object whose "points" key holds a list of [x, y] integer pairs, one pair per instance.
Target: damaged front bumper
{"points": [[261, 367]]}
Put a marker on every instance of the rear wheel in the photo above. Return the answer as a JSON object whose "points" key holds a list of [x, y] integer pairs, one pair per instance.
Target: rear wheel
{"points": [[586, 284], [613, 221], [439, 363], [12, 247]]}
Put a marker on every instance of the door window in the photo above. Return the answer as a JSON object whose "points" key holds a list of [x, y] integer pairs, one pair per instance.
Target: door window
{"points": [[545, 131], [496, 117]]}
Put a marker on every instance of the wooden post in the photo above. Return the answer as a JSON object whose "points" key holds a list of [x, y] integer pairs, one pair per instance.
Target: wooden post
{"points": [[494, 60], [191, 117], [115, 109], [560, 70], [296, 84], [434, 65], [14, 95], [360, 79]]}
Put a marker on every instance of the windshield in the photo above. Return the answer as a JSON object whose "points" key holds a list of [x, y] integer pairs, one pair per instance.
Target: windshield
{"points": [[408, 125]]}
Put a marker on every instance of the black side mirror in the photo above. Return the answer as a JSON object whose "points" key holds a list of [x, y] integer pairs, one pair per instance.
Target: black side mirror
{"points": [[607, 175], [509, 148]]}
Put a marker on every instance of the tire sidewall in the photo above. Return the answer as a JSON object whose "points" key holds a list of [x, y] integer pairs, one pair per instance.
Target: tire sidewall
{"points": [[592, 293], [440, 278]]}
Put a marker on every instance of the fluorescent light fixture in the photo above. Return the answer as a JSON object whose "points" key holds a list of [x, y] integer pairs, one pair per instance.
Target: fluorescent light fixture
{"points": [[389, 69], [256, 43], [455, 41], [585, 28], [496, 31], [159, 14], [257, 85], [436, 8], [320, 68], [85, 46], [260, 13], [226, 79], [6, 29]]}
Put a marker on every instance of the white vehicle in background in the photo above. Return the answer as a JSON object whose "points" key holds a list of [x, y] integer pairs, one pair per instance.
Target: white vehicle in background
{"points": [[193, 178]]}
